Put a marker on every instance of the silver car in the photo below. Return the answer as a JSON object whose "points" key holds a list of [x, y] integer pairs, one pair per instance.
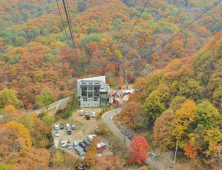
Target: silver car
{"points": [[63, 145], [73, 127], [56, 133]]}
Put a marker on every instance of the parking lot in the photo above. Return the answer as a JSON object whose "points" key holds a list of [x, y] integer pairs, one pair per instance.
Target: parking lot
{"points": [[83, 129]]}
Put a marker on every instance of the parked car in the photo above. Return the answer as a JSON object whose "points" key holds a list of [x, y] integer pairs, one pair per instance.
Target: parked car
{"points": [[130, 137], [61, 126], [94, 114], [124, 132], [87, 142], [73, 127], [87, 117], [69, 132], [85, 149], [86, 113], [56, 133], [81, 112], [82, 144], [79, 152], [90, 137], [62, 143], [75, 145], [56, 127], [153, 156], [67, 126]]}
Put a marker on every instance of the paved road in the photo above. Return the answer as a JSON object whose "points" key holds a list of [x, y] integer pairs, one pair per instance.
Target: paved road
{"points": [[38, 111], [107, 118]]}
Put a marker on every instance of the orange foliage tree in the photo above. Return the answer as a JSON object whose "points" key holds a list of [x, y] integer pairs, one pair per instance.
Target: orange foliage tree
{"points": [[128, 114], [190, 150], [32, 158], [162, 131]]}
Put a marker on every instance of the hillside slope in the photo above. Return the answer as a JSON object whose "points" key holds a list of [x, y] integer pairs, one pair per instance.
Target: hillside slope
{"points": [[183, 101], [35, 52]]}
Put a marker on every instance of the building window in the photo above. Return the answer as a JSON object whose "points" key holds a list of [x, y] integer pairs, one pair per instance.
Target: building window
{"points": [[84, 98], [84, 91], [90, 88], [95, 98], [90, 94], [103, 100], [96, 91]]}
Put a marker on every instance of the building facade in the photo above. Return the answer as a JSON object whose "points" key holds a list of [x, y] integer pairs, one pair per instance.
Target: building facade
{"points": [[93, 91]]}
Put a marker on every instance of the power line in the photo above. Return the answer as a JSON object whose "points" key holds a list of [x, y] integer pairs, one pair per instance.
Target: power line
{"points": [[70, 28], [70, 23], [63, 23], [133, 27], [135, 22], [67, 18], [184, 28], [68, 13]]}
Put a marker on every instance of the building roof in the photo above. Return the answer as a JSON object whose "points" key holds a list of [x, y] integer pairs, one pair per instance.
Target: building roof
{"points": [[99, 81], [99, 78]]}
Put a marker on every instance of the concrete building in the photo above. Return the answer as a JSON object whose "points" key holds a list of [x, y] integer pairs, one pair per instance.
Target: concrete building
{"points": [[93, 91]]}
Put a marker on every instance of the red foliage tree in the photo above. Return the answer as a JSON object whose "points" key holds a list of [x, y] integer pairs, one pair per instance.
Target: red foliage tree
{"points": [[140, 150]]}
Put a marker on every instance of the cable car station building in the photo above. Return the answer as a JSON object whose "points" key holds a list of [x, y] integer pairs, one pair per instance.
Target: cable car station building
{"points": [[93, 91]]}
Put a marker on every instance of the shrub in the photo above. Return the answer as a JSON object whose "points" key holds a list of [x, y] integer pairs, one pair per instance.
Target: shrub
{"points": [[102, 130], [102, 112]]}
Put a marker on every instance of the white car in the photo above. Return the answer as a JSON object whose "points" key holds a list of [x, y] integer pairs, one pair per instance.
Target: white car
{"points": [[93, 114], [62, 143], [56, 133], [56, 127], [67, 126]]}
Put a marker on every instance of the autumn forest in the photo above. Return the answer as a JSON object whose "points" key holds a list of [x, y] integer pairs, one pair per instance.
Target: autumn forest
{"points": [[177, 74]]}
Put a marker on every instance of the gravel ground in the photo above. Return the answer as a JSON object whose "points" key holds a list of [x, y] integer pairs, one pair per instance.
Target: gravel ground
{"points": [[83, 129]]}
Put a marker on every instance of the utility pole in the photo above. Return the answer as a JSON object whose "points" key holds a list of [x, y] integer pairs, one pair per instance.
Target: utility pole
{"points": [[115, 158], [126, 76], [175, 153], [65, 90], [116, 111], [116, 108]]}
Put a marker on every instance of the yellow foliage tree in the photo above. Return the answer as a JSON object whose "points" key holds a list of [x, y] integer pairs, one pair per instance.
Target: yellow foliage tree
{"points": [[9, 109], [183, 118], [19, 131]]}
